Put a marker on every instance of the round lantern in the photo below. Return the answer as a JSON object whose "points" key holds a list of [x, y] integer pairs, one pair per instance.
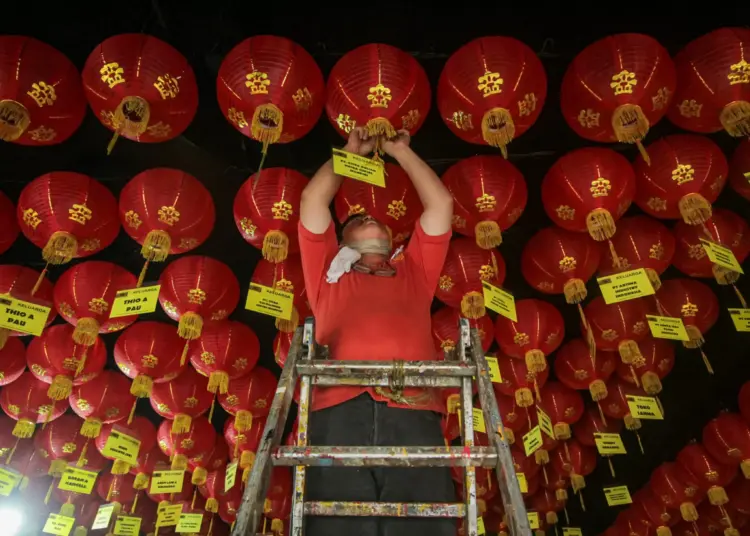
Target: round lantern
{"points": [[727, 439], [575, 368], [117, 489], [615, 404], [182, 399], [41, 99], [167, 211], [200, 439], [548, 504], [200, 466], [270, 89], [617, 88], [25, 401], [12, 361], [576, 461], [489, 195], [685, 177], [739, 167], [140, 88], [56, 359], [446, 331], [103, 400], [518, 381], [712, 476], [20, 282], [380, 88], [491, 91], [242, 445], [148, 461], [619, 326], [564, 407], [9, 229], [657, 514], [140, 428], [589, 190], [68, 215], [29, 459], [397, 206], [640, 242], [61, 440], [591, 423], [673, 487], [656, 361], [466, 267], [713, 87], [286, 276], [249, 397]]}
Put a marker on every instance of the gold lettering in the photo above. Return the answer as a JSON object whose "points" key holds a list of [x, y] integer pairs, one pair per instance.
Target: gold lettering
{"points": [[379, 96], [80, 213], [112, 74], [739, 73], [623, 82], [167, 86], [257, 83], [490, 84], [42, 93]]}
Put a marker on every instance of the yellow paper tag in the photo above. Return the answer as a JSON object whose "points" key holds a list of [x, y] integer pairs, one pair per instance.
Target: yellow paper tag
{"points": [[667, 327], [78, 480], [741, 319], [608, 444], [477, 418], [103, 515], [533, 519], [135, 301], [230, 476], [532, 440], [572, 531], [480, 527], [644, 407], [358, 168], [168, 515], [166, 481], [617, 495], [721, 255], [58, 525], [189, 523], [545, 423], [18, 315], [8, 481], [121, 446], [127, 526], [625, 286], [499, 300], [522, 483], [747, 176], [269, 301], [494, 369]]}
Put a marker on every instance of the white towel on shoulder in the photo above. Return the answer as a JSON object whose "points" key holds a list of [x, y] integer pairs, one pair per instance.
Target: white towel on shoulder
{"points": [[342, 263]]}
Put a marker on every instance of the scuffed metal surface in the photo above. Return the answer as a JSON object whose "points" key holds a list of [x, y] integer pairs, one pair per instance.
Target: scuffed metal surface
{"points": [[385, 456], [368, 509]]}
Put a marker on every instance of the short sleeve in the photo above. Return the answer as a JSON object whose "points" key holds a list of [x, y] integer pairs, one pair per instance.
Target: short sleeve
{"points": [[427, 254], [317, 252]]}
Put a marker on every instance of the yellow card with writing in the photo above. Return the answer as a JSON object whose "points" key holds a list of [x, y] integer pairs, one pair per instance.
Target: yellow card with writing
{"points": [[127, 526], [480, 527], [625, 286], [166, 481], [168, 515], [522, 482], [609, 444], [494, 369], [532, 440], [269, 301], [477, 418], [9, 479], [572, 531], [644, 407], [135, 301], [59, 525], [741, 319], [121, 446], [545, 423], [26, 317], [358, 168], [500, 301], [230, 476], [103, 515], [533, 519], [189, 523], [721, 255], [617, 495], [78, 480], [667, 327]]}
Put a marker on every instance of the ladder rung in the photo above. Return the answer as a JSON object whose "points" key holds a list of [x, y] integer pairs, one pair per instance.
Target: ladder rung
{"points": [[438, 369], [384, 509], [385, 381], [386, 456]]}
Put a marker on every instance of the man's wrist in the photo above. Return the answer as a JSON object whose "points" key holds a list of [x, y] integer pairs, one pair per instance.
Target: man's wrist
{"points": [[400, 151]]}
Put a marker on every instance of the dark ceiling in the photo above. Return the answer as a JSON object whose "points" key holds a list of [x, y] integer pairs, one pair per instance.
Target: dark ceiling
{"points": [[222, 158]]}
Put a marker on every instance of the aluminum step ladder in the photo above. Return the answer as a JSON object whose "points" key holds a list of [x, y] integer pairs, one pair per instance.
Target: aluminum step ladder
{"points": [[301, 361]]}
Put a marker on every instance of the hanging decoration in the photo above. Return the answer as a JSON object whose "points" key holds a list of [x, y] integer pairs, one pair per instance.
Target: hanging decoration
{"points": [[615, 404], [656, 361], [518, 382], [141, 429], [26, 402], [12, 361], [243, 445], [446, 333], [575, 368], [727, 439], [593, 422], [564, 407], [712, 476], [182, 399], [249, 397], [286, 276], [673, 486], [575, 461], [20, 282], [199, 439], [103, 400]]}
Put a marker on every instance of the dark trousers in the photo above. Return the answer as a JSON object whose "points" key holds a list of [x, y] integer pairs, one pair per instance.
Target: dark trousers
{"points": [[364, 422]]}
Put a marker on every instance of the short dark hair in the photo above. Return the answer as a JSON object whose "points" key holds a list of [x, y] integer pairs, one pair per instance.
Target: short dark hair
{"points": [[347, 221]]}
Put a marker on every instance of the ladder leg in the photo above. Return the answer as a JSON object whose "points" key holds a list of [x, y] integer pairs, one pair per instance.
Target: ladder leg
{"points": [[467, 437]]}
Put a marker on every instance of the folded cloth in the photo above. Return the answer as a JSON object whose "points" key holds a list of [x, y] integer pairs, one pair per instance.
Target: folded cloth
{"points": [[342, 263]]}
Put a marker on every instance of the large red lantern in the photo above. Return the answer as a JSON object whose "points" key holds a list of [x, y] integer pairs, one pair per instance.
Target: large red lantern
{"points": [[674, 487], [200, 439], [711, 475], [713, 84], [656, 361], [491, 91], [20, 282], [466, 267], [249, 397], [739, 169], [84, 295], [286, 276], [489, 195], [518, 381], [617, 88], [9, 229], [141, 429], [25, 401], [589, 190], [182, 399], [619, 326], [270, 89], [167, 211], [140, 88], [446, 333], [68, 215], [563, 405], [62, 443], [103, 400], [575, 368], [686, 175], [12, 361], [727, 438], [41, 98]]}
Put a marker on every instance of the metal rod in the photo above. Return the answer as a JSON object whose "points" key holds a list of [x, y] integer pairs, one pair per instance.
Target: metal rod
{"points": [[374, 368], [467, 434], [385, 381], [385, 456], [384, 509]]}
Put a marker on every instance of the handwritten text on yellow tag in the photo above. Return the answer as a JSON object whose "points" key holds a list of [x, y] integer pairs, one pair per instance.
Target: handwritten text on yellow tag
{"points": [[722, 256], [269, 301], [667, 327], [644, 407], [103, 515], [121, 446], [78, 480], [494, 369], [18, 315], [480, 527], [532, 440], [741, 319], [166, 481], [127, 526], [625, 286], [500, 301], [609, 444], [135, 301], [617, 495]]}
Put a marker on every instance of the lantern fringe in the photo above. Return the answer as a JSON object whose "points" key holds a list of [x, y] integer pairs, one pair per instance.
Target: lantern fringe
{"points": [[243, 421], [744, 466], [524, 397], [218, 382], [81, 462], [541, 457], [611, 466], [4, 334], [199, 476], [247, 459], [651, 383], [57, 467], [190, 326], [288, 326], [275, 246], [380, 128], [81, 362], [488, 234], [600, 224], [663, 531], [68, 509], [184, 355], [131, 119], [629, 352], [510, 436], [86, 331], [24, 429], [61, 388], [267, 124], [562, 432], [575, 291], [80, 531], [212, 505], [14, 120], [472, 305], [498, 129], [631, 126], [61, 248], [696, 337], [717, 495], [181, 423], [132, 410], [632, 423], [156, 246], [724, 276], [551, 518], [735, 118], [453, 403], [91, 428], [120, 467], [535, 361], [688, 512], [141, 481], [598, 390], [12, 451], [578, 482], [179, 462], [277, 527], [740, 297], [561, 495], [694, 209]]}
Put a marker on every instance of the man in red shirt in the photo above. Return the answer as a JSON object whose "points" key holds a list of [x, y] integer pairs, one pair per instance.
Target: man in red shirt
{"points": [[369, 308]]}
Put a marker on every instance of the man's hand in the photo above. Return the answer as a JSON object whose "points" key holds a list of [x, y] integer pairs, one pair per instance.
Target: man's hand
{"points": [[360, 142], [394, 145]]}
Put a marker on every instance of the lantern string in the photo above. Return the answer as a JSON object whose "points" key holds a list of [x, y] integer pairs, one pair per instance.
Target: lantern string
{"points": [[706, 362], [640, 444], [611, 467], [142, 275], [39, 280], [739, 296]]}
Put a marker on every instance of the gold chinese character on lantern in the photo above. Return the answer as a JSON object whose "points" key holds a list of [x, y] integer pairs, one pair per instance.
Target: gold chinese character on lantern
{"points": [[448, 345], [261, 403], [232, 400], [445, 283], [42, 134], [70, 363], [240, 363], [689, 309], [257, 83], [739, 73], [379, 97], [356, 209], [588, 118], [660, 100], [302, 99], [656, 251], [38, 370], [696, 251], [461, 120], [69, 448], [564, 212], [167, 86], [609, 335], [284, 285], [690, 108], [528, 105], [80, 213], [159, 130], [656, 204], [396, 209], [521, 339], [485, 203], [42, 93], [490, 84], [683, 173], [346, 123], [98, 305], [486, 272], [65, 309], [237, 118], [640, 327], [112, 74], [190, 402], [248, 229], [91, 244], [169, 215], [187, 443], [112, 412], [208, 358], [545, 286], [458, 222], [187, 243], [196, 296], [410, 120], [149, 361], [282, 210], [567, 264], [31, 218], [623, 82], [600, 187]]}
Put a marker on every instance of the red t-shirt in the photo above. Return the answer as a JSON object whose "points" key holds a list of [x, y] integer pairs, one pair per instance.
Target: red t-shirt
{"points": [[368, 317]]}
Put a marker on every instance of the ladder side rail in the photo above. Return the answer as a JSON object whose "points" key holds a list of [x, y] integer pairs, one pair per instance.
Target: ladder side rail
{"points": [[467, 434], [315, 456], [345, 369]]}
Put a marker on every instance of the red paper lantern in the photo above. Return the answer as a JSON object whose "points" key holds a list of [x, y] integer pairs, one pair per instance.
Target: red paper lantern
{"points": [[249, 397], [656, 361], [446, 332], [242, 445], [589, 190], [489, 195], [619, 326], [141, 429], [213, 490], [182, 399], [514, 417], [141, 88], [576, 461], [615, 404], [466, 267], [41, 95], [216, 459], [548, 505], [12, 361], [286, 276], [68, 215], [282, 343], [9, 229], [117, 489], [727, 439], [20, 282], [673, 486], [592, 423], [713, 84], [685, 177], [518, 382], [61, 441], [200, 439], [617, 88], [270, 89], [148, 462], [27, 458], [25, 401], [103, 400], [56, 359], [739, 167], [739, 491], [653, 510], [491, 91], [711, 475], [167, 211], [563, 405], [575, 368]]}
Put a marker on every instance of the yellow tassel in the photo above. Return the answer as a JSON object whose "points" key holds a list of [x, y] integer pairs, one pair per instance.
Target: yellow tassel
{"points": [[632, 423], [524, 397], [199, 476], [695, 335], [551, 518], [629, 352], [86, 331], [689, 512], [211, 412], [561, 495], [135, 503], [541, 457], [735, 118], [243, 421], [142, 275], [510, 436], [724, 276], [61, 248], [120, 468], [212, 505], [380, 127], [68, 510], [24, 429], [562, 431], [575, 291], [731, 531], [498, 129], [49, 491], [190, 326], [694, 209], [183, 357], [82, 457], [80, 531], [654, 279], [651, 383], [267, 124], [132, 410], [487, 234], [14, 120], [181, 423], [156, 246], [141, 481], [246, 475], [91, 427], [61, 388], [535, 361], [130, 119], [744, 466], [663, 531], [631, 126], [277, 527], [600, 224], [717, 495], [578, 482], [179, 462], [472, 305], [275, 246], [288, 326], [453, 403], [57, 467], [4, 334], [218, 382], [142, 386], [598, 390], [247, 459]]}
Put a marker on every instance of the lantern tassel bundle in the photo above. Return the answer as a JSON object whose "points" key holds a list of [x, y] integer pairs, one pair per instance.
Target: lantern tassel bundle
{"points": [[631, 126], [131, 118]]}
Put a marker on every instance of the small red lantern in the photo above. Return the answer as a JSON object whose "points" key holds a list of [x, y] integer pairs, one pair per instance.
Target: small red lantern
{"points": [[198, 440], [576, 461], [492, 90], [727, 438], [141, 429], [286, 276], [615, 405], [9, 229], [518, 382], [548, 504], [712, 476], [148, 461], [575, 368], [20, 282], [563, 405], [25, 401], [244, 444], [657, 514], [103, 400], [446, 333], [117, 489], [249, 397], [182, 399], [201, 465], [656, 361], [672, 485], [619, 326], [12, 361], [63, 444], [739, 169]]}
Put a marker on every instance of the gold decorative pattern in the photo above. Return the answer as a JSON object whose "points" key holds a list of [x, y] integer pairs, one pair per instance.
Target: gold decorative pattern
{"points": [[187, 243], [208, 358], [248, 229], [657, 204], [70, 363], [44, 409], [219, 314], [69, 448], [261, 403], [581, 374], [521, 339], [91, 244], [689, 309], [528, 105], [448, 345], [133, 220], [346, 123], [302, 99], [232, 400], [38, 370], [588, 118], [356, 209], [31, 218], [623, 82], [739, 73], [187, 443], [98, 306], [237, 118], [112, 412], [284, 285], [42, 93], [410, 120], [167, 86], [282, 210], [240, 363], [552, 338], [149, 361], [487, 272], [163, 408], [159, 130], [609, 334], [379, 96], [600, 187], [490, 84], [564, 212], [13, 409], [660, 100], [257, 83], [112, 74], [43, 134], [169, 307], [396, 209], [462, 120], [445, 283], [79, 213], [683, 173], [107, 118], [190, 402], [690, 108], [545, 286], [514, 214], [116, 326], [696, 251], [458, 222], [640, 327], [485, 203], [569, 411], [196, 296], [567, 264], [169, 215], [622, 263], [65, 309], [656, 251], [663, 364]]}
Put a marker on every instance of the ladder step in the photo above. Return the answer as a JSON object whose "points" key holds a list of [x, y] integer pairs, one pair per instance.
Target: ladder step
{"points": [[384, 509], [386, 456], [380, 373]]}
